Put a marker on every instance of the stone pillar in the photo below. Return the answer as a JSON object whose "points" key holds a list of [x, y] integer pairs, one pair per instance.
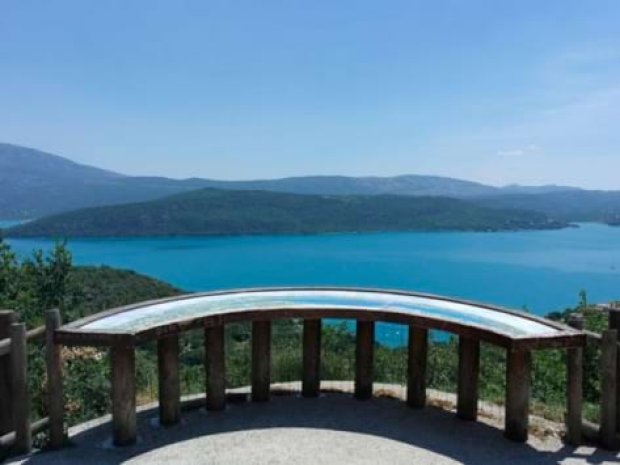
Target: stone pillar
{"points": [[311, 383], [518, 386], [416, 367], [123, 361], [261, 360], [21, 399], [55, 392], [7, 318], [215, 365], [469, 367], [364, 359], [609, 360], [169, 380], [574, 387]]}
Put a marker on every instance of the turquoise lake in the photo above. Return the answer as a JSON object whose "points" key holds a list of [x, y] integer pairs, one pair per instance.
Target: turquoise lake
{"points": [[542, 271]]}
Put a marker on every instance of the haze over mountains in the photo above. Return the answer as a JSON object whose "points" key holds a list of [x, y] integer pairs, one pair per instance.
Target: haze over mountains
{"points": [[34, 184]]}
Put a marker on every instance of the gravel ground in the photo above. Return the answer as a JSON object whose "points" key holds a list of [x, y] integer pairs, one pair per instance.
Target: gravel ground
{"points": [[334, 429]]}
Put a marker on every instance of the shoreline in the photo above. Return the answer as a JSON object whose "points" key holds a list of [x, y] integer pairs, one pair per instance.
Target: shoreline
{"points": [[4, 231]]}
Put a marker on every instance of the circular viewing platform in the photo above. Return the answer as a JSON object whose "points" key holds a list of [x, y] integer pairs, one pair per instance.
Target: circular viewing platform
{"points": [[163, 320]]}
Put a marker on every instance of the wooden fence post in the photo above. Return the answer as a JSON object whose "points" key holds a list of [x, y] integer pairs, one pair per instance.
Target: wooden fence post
{"points": [[609, 358], [364, 359], [311, 383], [7, 318], [614, 323], [518, 387], [168, 380], [215, 364], [21, 399], [416, 367], [261, 360], [123, 360], [574, 387], [55, 393], [469, 367]]}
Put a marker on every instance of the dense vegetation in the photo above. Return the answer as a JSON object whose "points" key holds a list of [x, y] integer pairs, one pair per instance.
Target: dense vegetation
{"points": [[30, 285], [221, 212]]}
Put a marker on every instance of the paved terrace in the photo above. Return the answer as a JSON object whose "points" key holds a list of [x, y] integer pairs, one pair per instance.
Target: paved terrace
{"points": [[334, 429]]}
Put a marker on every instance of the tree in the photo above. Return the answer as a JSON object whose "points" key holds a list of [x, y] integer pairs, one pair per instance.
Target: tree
{"points": [[32, 285]]}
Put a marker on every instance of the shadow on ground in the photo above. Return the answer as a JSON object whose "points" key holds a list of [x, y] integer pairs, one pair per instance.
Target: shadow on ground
{"points": [[333, 429]]}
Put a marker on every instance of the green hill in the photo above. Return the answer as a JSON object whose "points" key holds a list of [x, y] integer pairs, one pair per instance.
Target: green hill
{"points": [[223, 212], [92, 289]]}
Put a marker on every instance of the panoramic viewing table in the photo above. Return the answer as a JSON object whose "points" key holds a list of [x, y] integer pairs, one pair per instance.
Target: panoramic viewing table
{"points": [[163, 320]]}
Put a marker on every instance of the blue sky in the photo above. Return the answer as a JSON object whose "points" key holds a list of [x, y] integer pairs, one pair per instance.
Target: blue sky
{"points": [[500, 92]]}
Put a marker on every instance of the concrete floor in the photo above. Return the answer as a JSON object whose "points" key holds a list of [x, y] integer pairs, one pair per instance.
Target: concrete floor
{"points": [[334, 429]]}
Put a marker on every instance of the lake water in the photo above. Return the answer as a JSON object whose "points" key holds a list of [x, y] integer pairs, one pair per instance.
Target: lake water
{"points": [[542, 271]]}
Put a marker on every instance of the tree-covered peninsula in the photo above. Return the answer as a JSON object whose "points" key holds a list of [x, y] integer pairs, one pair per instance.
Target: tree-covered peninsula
{"points": [[224, 212]]}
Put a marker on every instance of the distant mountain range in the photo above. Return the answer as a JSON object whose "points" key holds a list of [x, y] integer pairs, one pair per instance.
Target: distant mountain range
{"points": [[412, 185], [35, 184]]}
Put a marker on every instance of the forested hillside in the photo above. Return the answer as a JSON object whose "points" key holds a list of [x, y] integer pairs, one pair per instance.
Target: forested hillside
{"points": [[222, 212]]}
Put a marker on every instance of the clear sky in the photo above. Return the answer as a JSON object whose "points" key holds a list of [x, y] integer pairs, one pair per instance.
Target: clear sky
{"points": [[523, 91]]}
